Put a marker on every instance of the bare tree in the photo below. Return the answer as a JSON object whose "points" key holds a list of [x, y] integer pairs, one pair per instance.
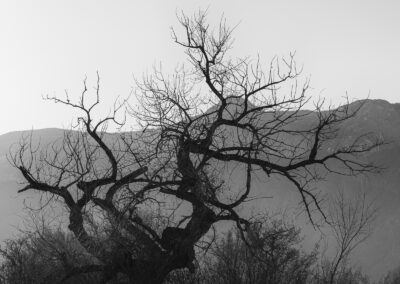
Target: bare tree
{"points": [[42, 254], [272, 255], [351, 222], [195, 122]]}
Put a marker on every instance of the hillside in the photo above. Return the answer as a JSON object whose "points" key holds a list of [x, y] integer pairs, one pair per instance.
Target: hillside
{"points": [[379, 254]]}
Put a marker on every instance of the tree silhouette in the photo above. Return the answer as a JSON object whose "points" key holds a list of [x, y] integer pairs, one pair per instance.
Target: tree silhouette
{"points": [[212, 113], [272, 255], [351, 223]]}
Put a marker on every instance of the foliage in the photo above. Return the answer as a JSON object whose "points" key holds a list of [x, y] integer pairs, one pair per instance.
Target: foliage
{"points": [[43, 256], [272, 255]]}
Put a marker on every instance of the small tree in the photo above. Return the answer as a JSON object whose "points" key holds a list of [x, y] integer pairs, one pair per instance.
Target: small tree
{"points": [[194, 123], [44, 255], [351, 222], [272, 255]]}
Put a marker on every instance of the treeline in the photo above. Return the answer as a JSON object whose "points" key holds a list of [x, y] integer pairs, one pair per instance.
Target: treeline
{"points": [[270, 253]]}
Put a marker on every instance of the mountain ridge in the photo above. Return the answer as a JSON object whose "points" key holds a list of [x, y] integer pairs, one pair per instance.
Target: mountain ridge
{"points": [[376, 116]]}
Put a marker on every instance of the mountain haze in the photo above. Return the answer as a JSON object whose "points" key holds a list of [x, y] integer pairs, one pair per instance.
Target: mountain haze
{"points": [[379, 254]]}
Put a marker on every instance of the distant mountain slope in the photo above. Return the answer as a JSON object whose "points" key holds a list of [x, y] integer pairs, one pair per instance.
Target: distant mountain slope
{"points": [[379, 254]]}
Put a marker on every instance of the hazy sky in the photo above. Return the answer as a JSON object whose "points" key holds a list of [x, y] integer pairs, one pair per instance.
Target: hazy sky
{"points": [[48, 47]]}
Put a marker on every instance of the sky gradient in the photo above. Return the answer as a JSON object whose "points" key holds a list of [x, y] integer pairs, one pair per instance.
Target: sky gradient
{"points": [[48, 47]]}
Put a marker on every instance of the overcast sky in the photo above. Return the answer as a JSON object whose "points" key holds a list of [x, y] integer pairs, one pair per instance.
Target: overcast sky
{"points": [[48, 47]]}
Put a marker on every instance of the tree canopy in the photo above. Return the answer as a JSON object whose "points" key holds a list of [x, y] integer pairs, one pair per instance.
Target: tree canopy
{"points": [[211, 112]]}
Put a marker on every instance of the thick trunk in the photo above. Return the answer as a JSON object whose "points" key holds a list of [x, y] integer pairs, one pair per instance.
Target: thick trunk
{"points": [[76, 226], [179, 254]]}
